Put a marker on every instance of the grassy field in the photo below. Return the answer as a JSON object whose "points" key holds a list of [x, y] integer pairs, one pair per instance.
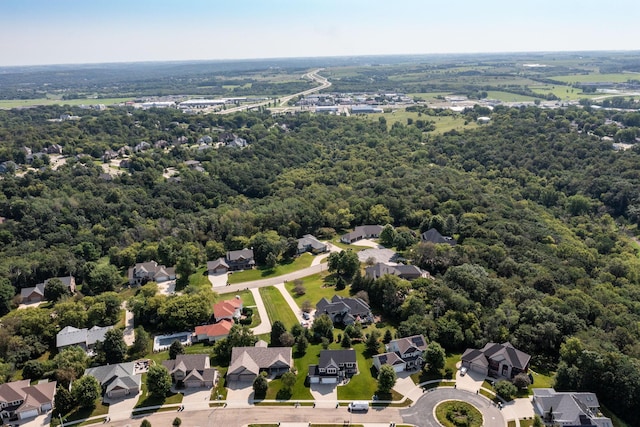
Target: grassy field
{"points": [[303, 261], [147, 399], [597, 77], [81, 414], [509, 97], [14, 103], [443, 123], [317, 288], [277, 307]]}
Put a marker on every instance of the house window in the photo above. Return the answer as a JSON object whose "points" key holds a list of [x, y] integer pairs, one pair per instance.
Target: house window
{"points": [[331, 371]]}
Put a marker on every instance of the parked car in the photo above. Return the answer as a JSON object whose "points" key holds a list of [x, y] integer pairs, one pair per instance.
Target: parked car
{"points": [[305, 315], [463, 371]]}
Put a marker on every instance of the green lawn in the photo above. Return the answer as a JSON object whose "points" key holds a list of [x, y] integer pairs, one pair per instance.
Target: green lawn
{"points": [[450, 363], [316, 288], [442, 124], [13, 103], [596, 77], [509, 97], [472, 415], [147, 399], [277, 307], [220, 388], [363, 385], [200, 279], [303, 261], [81, 414]]}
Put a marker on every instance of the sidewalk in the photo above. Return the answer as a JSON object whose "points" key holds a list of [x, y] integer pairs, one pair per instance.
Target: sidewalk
{"points": [[265, 323]]}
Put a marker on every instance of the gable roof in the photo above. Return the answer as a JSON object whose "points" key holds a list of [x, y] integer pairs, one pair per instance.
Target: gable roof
{"points": [[119, 375], [433, 236], [241, 255], [310, 241], [72, 336], [569, 408], [220, 262], [362, 231], [412, 343], [355, 306], [388, 359], [187, 362], [379, 269], [336, 357], [226, 308], [497, 352], [216, 329], [32, 397], [253, 359]]}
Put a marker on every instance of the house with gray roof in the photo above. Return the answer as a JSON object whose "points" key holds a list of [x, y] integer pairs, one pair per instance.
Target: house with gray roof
{"points": [[572, 409], [85, 338], [496, 360], [240, 260], [151, 271], [21, 400], [118, 380], [248, 362], [192, 370], [345, 311], [362, 232], [36, 293], [408, 272], [433, 236], [333, 367], [309, 243], [403, 354]]}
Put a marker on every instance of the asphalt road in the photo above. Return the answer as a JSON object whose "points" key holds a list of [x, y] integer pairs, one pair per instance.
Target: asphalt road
{"points": [[421, 413], [229, 417]]}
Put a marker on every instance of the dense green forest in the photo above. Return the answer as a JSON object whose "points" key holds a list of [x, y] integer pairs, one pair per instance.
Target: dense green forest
{"points": [[543, 209]]}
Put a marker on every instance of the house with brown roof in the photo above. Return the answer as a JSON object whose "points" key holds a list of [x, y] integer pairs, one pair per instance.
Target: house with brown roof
{"points": [[404, 354], [214, 331], [192, 370], [36, 293], [151, 271], [362, 232], [496, 360], [247, 362], [20, 400], [333, 367], [228, 309]]}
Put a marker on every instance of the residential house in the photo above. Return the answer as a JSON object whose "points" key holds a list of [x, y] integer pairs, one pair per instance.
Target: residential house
{"points": [[108, 155], [232, 140], [309, 243], [36, 293], [218, 266], [408, 272], [214, 331], [345, 310], [20, 400], [240, 260], [227, 309], [117, 380], [85, 338], [192, 370], [248, 362], [362, 232], [150, 271], [233, 261], [433, 236], [496, 360], [404, 354], [573, 409], [333, 367]]}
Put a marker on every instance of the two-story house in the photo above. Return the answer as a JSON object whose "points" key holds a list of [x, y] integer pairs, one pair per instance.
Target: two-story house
{"points": [[233, 261], [192, 370], [20, 400], [333, 367], [404, 354], [496, 360]]}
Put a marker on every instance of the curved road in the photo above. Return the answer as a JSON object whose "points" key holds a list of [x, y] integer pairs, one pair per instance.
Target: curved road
{"points": [[421, 413], [313, 75]]}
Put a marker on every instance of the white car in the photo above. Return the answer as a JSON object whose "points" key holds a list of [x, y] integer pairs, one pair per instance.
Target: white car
{"points": [[463, 371]]}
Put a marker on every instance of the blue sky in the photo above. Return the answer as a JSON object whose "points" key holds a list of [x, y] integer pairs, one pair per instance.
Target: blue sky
{"points": [[86, 31]]}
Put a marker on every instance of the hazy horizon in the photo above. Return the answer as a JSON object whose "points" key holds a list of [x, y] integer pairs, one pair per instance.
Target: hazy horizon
{"points": [[66, 32]]}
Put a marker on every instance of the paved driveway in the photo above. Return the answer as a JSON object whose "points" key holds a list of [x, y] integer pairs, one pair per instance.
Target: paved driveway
{"points": [[421, 413], [265, 324], [167, 288], [218, 280], [121, 409], [471, 381], [128, 334], [196, 398], [291, 302], [239, 394], [367, 242], [325, 395], [379, 255]]}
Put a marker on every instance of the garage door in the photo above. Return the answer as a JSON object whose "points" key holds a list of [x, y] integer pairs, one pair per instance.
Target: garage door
{"points": [[398, 368], [117, 393], [193, 384], [46, 407], [329, 380], [29, 414]]}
